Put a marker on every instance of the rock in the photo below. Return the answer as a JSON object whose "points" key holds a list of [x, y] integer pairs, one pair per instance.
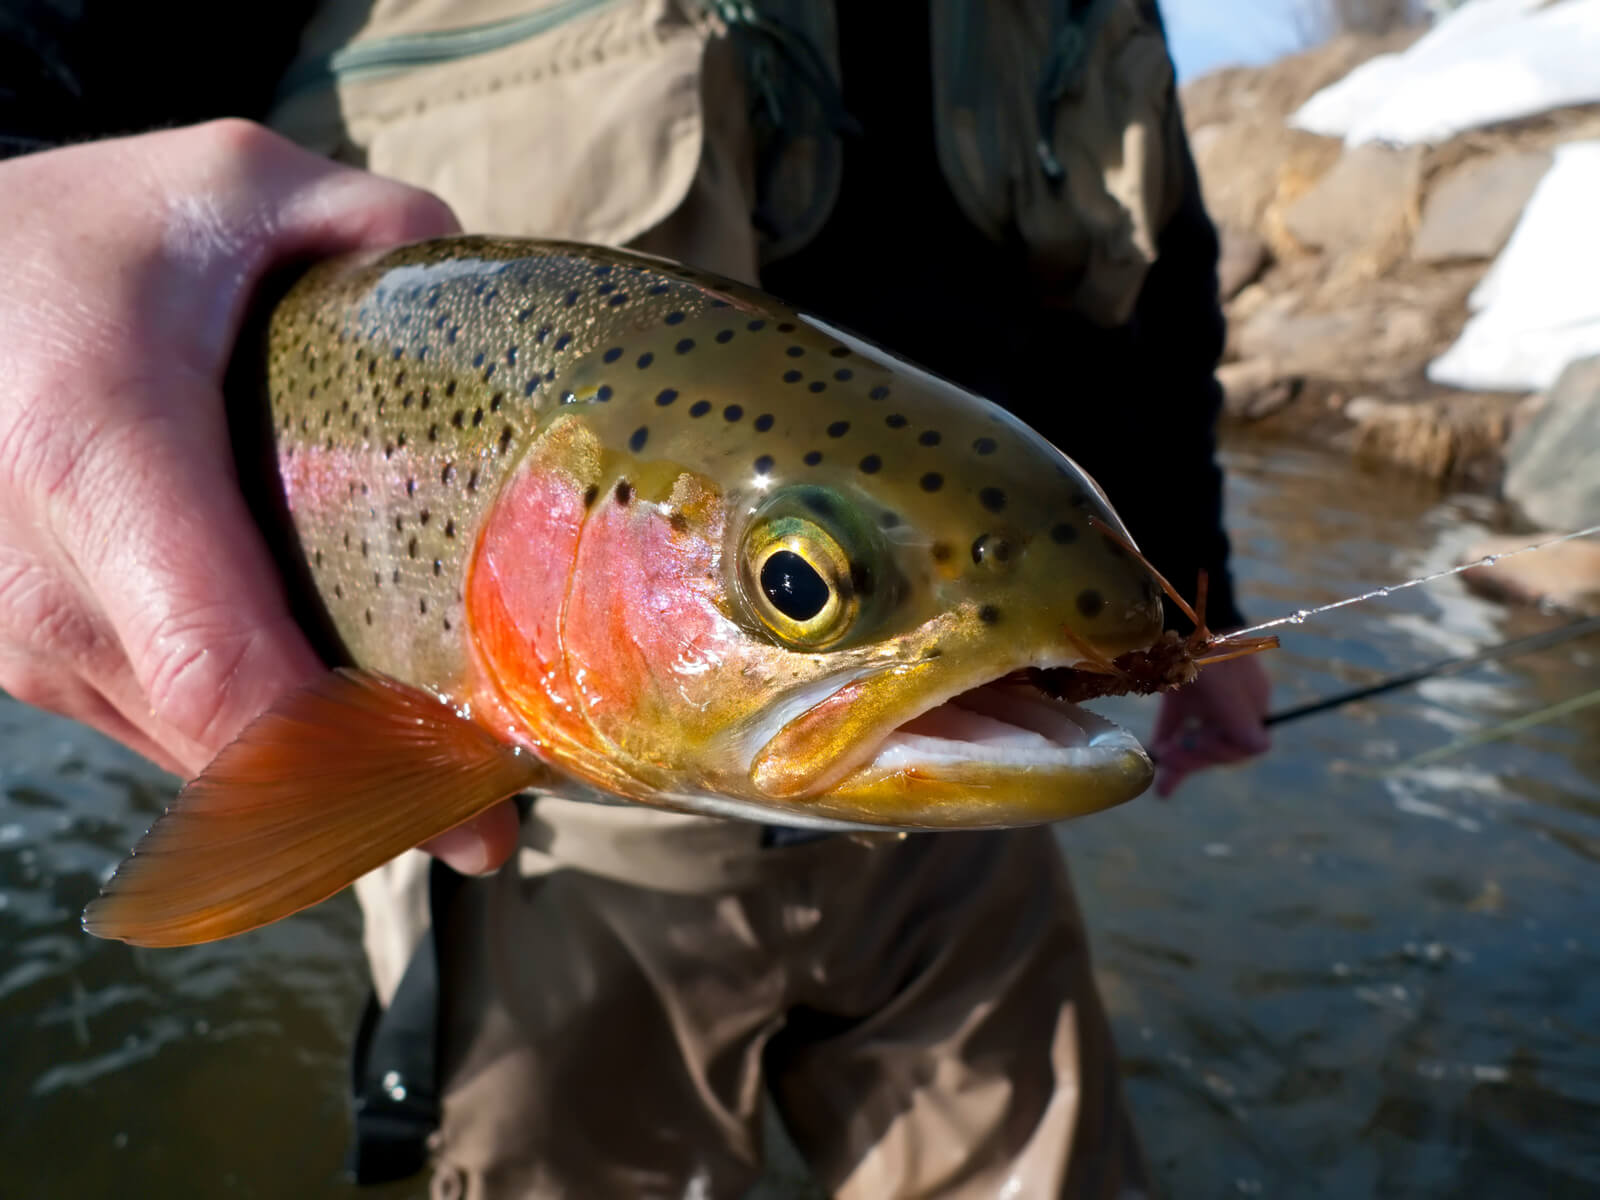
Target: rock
{"points": [[1256, 388], [1368, 197], [1473, 208], [1565, 575], [1249, 165], [1243, 256], [1553, 464]]}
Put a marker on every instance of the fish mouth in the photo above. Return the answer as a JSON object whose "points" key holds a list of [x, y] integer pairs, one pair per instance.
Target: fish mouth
{"points": [[999, 753]]}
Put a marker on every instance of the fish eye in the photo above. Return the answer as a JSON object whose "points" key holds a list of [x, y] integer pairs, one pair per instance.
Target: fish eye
{"points": [[806, 569], [793, 586]]}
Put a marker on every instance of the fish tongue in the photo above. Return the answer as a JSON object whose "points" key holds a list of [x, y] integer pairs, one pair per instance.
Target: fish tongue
{"points": [[333, 781]]}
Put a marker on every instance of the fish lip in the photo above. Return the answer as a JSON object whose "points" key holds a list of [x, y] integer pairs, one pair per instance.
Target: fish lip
{"points": [[813, 757]]}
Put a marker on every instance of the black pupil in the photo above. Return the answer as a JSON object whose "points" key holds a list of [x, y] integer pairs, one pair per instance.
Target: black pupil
{"points": [[793, 586]]}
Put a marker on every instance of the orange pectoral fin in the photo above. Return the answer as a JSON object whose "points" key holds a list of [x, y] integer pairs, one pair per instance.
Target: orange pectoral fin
{"points": [[332, 782]]}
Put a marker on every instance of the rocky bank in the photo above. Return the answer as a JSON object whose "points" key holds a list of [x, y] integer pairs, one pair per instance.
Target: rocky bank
{"points": [[1345, 271]]}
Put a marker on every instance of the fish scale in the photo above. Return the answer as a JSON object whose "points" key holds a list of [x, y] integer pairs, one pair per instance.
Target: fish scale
{"points": [[408, 385]]}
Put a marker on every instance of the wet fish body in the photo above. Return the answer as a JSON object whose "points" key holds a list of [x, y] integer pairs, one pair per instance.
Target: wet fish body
{"points": [[653, 533]]}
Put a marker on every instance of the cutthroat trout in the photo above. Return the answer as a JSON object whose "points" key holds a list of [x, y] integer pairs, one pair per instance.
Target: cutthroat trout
{"points": [[580, 519]]}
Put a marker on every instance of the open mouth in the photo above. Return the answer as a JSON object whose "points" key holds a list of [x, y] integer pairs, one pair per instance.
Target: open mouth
{"points": [[1008, 723]]}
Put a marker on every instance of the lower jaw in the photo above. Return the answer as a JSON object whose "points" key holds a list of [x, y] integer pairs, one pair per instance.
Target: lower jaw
{"points": [[987, 795]]}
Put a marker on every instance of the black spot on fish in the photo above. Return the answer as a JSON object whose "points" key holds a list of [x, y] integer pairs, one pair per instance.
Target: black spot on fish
{"points": [[764, 464], [411, 551], [786, 327], [618, 300], [612, 354], [699, 408], [888, 519], [817, 385], [895, 421], [725, 336], [1091, 603], [792, 376], [425, 516], [795, 351], [674, 318], [639, 437], [878, 393], [985, 445], [624, 492], [871, 464], [477, 417], [838, 429], [940, 551], [438, 566], [756, 326], [813, 457], [844, 374], [590, 494], [411, 487], [989, 615], [450, 529], [928, 437], [369, 616], [932, 481], [563, 341], [450, 388], [1062, 533], [861, 578], [763, 423], [422, 605], [666, 396], [733, 412], [571, 299], [684, 345], [604, 393], [840, 352], [992, 498], [433, 433]]}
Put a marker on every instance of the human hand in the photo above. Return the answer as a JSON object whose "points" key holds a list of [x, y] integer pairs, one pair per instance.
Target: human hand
{"points": [[136, 594], [1218, 718]]}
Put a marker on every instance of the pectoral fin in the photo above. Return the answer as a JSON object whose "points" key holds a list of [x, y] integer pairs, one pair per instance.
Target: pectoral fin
{"points": [[334, 781]]}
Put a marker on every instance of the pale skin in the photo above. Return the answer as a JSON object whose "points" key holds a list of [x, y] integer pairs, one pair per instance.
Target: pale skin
{"points": [[135, 594]]}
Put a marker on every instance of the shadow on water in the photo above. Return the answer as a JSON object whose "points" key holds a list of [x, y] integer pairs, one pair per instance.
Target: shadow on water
{"points": [[1326, 980]]}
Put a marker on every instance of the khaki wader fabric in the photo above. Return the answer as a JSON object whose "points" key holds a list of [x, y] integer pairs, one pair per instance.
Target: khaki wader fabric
{"points": [[922, 1012]]}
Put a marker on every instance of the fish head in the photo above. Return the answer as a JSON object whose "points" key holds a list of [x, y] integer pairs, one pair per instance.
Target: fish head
{"points": [[810, 604]]}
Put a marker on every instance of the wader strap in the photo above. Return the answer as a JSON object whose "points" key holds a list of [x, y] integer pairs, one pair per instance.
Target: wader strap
{"points": [[394, 1067]]}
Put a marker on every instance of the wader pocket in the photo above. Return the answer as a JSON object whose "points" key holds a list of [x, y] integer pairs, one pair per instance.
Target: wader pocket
{"points": [[578, 119], [1058, 127]]}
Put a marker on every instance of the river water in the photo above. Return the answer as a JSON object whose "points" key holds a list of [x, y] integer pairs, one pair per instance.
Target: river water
{"points": [[1331, 974]]}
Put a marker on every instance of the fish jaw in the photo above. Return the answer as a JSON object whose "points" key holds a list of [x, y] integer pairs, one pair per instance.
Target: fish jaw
{"points": [[947, 740]]}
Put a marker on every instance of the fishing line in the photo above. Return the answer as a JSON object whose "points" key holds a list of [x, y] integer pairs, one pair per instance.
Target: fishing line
{"points": [[1298, 617], [1494, 733]]}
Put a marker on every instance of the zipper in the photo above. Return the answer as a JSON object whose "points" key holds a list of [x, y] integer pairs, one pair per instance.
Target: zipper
{"points": [[407, 51]]}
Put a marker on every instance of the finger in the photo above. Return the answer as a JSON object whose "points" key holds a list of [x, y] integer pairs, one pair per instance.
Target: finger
{"points": [[482, 844]]}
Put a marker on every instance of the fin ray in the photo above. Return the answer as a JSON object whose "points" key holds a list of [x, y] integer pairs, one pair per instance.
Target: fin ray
{"points": [[332, 782]]}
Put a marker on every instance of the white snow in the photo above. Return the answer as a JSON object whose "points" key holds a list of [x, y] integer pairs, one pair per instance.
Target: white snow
{"points": [[1486, 62], [1538, 307]]}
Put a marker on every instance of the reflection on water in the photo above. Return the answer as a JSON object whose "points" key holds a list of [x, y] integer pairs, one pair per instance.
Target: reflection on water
{"points": [[1327, 980]]}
